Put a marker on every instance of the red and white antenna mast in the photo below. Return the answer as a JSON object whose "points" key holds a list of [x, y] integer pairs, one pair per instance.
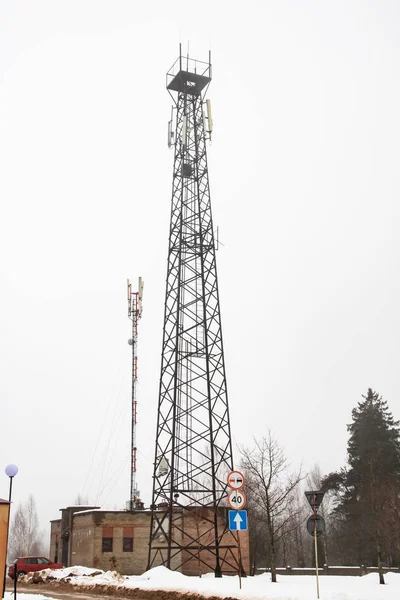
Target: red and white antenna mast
{"points": [[134, 313]]}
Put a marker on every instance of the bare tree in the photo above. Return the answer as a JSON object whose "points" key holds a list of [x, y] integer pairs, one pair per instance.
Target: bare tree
{"points": [[293, 542], [25, 537], [273, 490], [81, 500]]}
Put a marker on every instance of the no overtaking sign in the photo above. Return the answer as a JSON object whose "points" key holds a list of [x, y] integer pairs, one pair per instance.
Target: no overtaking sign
{"points": [[235, 480]]}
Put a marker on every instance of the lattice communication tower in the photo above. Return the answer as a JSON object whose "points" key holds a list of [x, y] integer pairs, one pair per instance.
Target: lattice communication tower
{"points": [[193, 452], [134, 313]]}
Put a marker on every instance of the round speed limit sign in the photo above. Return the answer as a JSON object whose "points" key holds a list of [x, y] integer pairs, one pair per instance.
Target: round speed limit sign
{"points": [[236, 499]]}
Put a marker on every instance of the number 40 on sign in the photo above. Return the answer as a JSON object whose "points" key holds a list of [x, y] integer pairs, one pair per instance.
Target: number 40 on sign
{"points": [[236, 499]]}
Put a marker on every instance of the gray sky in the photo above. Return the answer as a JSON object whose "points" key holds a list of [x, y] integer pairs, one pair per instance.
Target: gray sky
{"points": [[305, 181]]}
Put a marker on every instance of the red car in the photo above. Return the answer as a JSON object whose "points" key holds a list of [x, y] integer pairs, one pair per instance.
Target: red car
{"points": [[28, 564]]}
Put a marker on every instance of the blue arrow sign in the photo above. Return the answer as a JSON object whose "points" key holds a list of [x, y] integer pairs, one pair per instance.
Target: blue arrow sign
{"points": [[238, 520]]}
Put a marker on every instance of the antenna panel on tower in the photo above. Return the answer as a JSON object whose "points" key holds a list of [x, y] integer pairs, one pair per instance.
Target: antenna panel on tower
{"points": [[209, 117]]}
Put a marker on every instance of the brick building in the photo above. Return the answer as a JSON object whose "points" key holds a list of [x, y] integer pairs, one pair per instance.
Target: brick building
{"points": [[115, 539]]}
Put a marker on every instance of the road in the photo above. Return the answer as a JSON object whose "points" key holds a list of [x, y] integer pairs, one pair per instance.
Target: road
{"points": [[64, 591]]}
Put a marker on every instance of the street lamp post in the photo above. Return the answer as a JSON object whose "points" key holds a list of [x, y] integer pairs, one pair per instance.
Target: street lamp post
{"points": [[11, 471]]}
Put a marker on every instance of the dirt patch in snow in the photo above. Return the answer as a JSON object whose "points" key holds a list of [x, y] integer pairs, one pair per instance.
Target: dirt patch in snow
{"points": [[66, 591]]}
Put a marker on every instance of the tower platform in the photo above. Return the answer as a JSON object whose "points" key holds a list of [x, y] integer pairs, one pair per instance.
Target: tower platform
{"points": [[189, 76]]}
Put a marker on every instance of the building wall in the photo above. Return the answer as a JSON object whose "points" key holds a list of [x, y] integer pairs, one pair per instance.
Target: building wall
{"points": [[4, 518], [87, 541], [86, 531], [55, 539], [197, 521], [82, 542], [161, 542], [67, 525]]}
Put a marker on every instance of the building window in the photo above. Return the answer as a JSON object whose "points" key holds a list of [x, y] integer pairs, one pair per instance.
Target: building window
{"points": [[127, 542], [107, 543]]}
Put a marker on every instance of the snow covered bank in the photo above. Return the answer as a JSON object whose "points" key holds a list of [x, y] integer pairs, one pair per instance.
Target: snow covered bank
{"points": [[289, 587]]}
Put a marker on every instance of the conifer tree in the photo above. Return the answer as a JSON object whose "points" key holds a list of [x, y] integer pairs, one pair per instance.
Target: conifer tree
{"points": [[370, 486], [374, 446]]}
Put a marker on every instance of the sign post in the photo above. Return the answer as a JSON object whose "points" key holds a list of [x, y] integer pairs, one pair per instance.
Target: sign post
{"points": [[315, 499], [237, 518], [238, 522]]}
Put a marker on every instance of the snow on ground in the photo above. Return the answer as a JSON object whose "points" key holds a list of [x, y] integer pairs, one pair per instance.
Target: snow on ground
{"points": [[288, 587]]}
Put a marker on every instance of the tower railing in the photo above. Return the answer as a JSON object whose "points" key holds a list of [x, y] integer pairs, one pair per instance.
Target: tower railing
{"points": [[190, 65]]}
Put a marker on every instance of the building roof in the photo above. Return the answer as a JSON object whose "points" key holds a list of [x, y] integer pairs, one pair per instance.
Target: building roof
{"points": [[80, 507], [113, 510]]}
